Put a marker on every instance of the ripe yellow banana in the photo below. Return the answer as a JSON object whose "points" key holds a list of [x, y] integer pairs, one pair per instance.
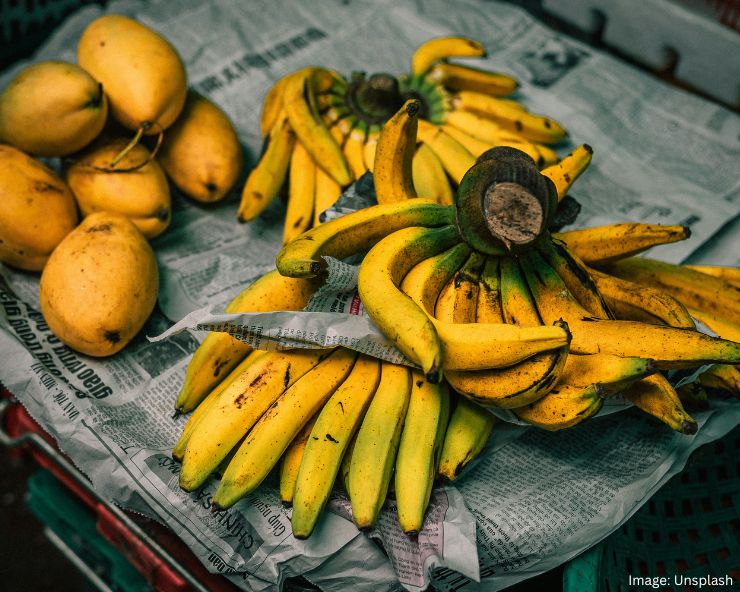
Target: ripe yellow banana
{"points": [[600, 245], [457, 77], [669, 347], [655, 395], [465, 292], [399, 318], [729, 274], [347, 463], [548, 156], [419, 449], [722, 377], [435, 50], [376, 444], [272, 106], [279, 424], [302, 113], [473, 145], [563, 407], [337, 423], [238, 407], [430, 179], [537, 128], [291, 461], [490, 308], [301, 190], [357, 232], [220, 352], [455, 159], [371, 145], [612, 373], [634, 302], [353, 149], [394, 154], [327, 192], [691, 288], [565, 172], [467, 433], [267, 177], [722, 327]]}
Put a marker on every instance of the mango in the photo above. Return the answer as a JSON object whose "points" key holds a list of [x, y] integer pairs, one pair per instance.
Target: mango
{"points": [[100, 285], [141, 194], [37, 210], [141, 72], [52, 109], [201, 151]]}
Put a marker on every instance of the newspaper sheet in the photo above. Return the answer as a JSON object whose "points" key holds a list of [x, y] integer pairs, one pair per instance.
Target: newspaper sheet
{"points": [[661, 155]]}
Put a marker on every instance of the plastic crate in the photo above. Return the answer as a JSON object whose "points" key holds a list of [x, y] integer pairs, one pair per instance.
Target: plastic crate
{"points": [[690, 528]]}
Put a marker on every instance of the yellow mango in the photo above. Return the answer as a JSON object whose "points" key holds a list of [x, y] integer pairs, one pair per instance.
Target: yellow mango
{"points": [[100, 285], [52, 109], [201, 151], [37, 210], [142, 73], [141, 194]]}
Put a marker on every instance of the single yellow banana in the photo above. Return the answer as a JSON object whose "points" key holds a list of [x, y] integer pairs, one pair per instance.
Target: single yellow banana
{"points": [[722, 327], [548, 157], [237, 409], [729, 274], [633, 302], [565, 172], [655, 396], [272, 106], [467, 433], [600, 245], [347, 463], [326, 194], [291, 461], [722, 377], [419, 449], [353, 149], [465, 290], [337, 423], [612, 373], [430, 179], [220, 352], [457, 77], [400, 319], [302, 113], [264, 182], [371, 145], [669, 347], [473, 145], [455, 159], [279, 424], [435, 50], [357, 232], [563, 407], [394, 154], [301, 191], [490, 308], [376, 444], [691, 288]]}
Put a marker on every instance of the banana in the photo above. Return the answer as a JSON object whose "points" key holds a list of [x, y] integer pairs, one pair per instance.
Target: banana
{"points": [[357, 232], [722, 377], [575, 276], [600, 245], [722, 327], [537, 128], [301, 190], [220, 352], [394, 155], [669, 347], [238, 407], [371, 145], [465, 290], [302, 113], [279, 422], [327, 192], [455, 159], [612, 373], [467, 433], [729, 274], [655, 396], [691, 288], [178, 451], [473, 145], [489, 308], [548, 157], [347, 463], [272, 106], [291, 461], [400, 319], [563, 407], [435, 50], [268, 176], [353, 149], [565, 172], [634, 302], [430, 179], [376, 444], [457, 77], [418, 450], [337, 423]]}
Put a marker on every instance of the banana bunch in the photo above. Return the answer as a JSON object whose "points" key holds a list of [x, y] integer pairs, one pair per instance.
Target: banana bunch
{"points": [[322, 131]]}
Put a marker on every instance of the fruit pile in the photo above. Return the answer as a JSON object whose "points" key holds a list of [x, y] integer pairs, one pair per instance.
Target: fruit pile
{"points": [[95, 292], [322, 131], [492, 308]]}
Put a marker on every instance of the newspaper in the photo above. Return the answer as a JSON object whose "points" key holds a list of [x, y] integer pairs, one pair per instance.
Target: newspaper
{"points": [[661, 155]]}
